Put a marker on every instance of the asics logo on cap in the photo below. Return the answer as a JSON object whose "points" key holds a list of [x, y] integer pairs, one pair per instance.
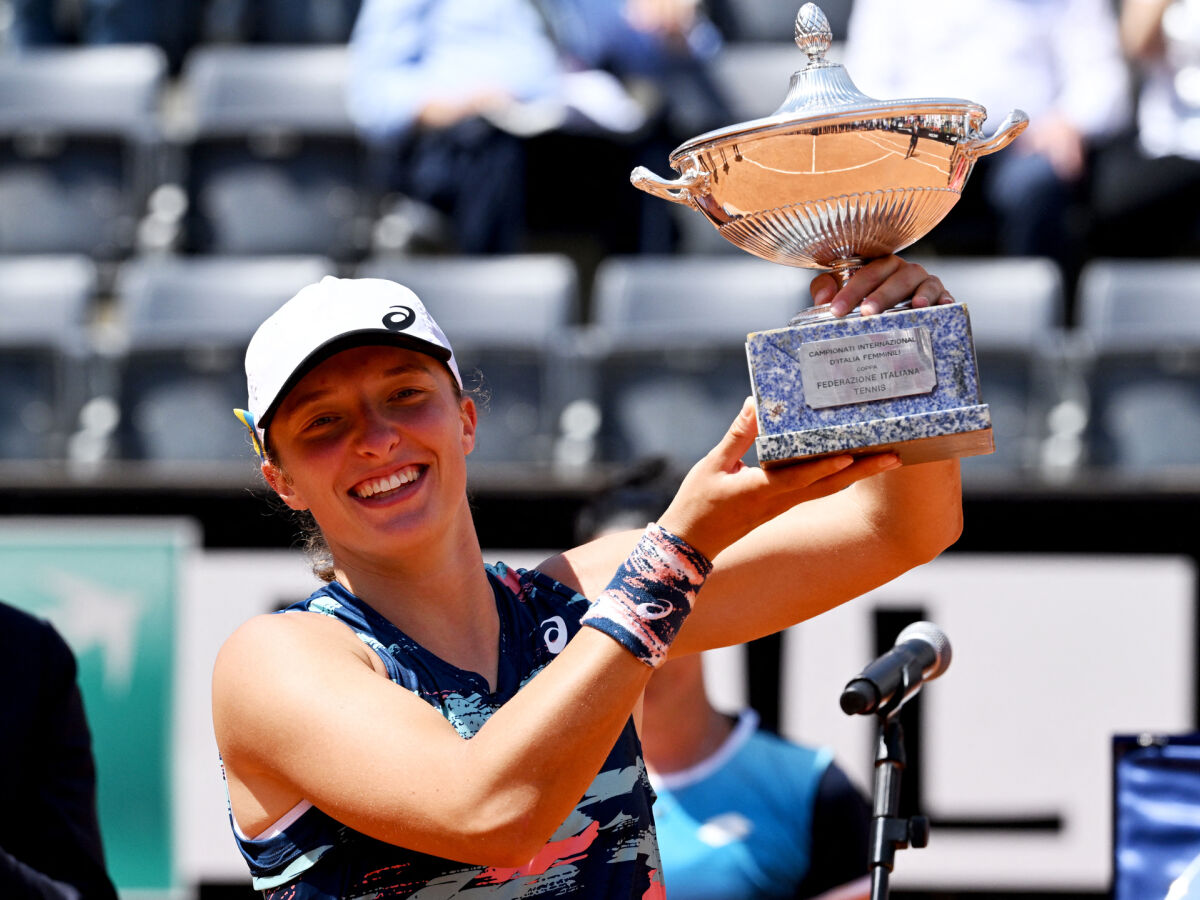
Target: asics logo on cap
{"points": [[399, 319]]}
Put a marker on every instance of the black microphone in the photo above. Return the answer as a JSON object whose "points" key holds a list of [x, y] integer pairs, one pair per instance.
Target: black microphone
{"points": [[921, 653]]}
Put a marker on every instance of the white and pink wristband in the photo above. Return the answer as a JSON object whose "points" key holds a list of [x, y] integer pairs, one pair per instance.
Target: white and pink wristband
{"points": [[648, 599]]}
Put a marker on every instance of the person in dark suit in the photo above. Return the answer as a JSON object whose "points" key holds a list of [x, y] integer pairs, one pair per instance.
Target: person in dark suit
{"points": [[50, 847]]}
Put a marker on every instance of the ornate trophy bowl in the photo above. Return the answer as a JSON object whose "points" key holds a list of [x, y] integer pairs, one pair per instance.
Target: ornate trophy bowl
{"points": [[832, 178], [829, 181]]}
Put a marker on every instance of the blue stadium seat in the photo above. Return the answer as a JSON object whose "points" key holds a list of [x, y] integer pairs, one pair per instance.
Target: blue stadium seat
{"points": [[509, 319], [45, 303], [272, 163], [667, 348], [79, 147], [1140, 321], [185, 324]]}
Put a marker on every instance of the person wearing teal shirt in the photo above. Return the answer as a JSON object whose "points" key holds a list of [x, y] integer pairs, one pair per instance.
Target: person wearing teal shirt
{"points": [[741, 812]]}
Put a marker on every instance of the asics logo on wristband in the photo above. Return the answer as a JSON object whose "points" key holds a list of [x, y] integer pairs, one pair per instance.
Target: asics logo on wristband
{"points": [[556, 635], [655, 609]]}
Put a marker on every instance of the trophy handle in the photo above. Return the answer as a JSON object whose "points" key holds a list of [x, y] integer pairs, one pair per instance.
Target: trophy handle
{"points": [[681, 190], [1014, 123]]}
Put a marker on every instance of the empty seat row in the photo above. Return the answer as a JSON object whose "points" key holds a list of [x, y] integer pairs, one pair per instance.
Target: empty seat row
{"points": [[655, 368], [254, 154]]}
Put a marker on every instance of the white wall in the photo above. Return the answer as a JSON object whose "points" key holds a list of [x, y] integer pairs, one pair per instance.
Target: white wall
{"points": [[1052, 655]]}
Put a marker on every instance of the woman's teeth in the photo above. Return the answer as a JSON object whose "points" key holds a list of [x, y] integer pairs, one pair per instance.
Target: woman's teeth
{"points": [[383, 485]]}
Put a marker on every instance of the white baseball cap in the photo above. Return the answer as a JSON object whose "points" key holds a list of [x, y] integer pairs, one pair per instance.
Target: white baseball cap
{"points": [[325, 318]]}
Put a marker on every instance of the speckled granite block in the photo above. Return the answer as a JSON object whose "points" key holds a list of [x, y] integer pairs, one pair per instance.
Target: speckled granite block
{"points": [[904, 381]]}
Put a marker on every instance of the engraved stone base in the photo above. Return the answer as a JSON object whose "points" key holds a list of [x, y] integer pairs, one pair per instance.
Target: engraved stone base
{"points": [[904, 381]]}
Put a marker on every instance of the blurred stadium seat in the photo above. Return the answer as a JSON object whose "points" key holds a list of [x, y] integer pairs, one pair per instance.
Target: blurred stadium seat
{"points": [[1140, 321], [755, 76], [1018, 316], [44, 308], [667, 348], [753, 79], [282, 21], [773, 20], [271, 163], [79, 145], [509, 319], [184, 326]]}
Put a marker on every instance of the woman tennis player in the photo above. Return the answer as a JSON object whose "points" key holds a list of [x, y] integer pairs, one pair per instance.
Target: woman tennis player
{"points": [[426, 725]]}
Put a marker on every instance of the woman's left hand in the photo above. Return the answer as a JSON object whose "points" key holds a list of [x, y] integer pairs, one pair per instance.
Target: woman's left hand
{"points": [[722, 499], [880, 285]]}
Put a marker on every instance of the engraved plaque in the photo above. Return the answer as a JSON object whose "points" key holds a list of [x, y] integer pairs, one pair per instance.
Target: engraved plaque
{"points": [[880, 365]]}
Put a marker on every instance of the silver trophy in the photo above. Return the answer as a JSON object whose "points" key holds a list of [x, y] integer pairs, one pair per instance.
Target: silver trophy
{"points": [[830, 180]]}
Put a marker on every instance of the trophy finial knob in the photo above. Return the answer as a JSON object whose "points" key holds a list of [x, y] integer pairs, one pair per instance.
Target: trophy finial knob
{"points": [[813, 34]]}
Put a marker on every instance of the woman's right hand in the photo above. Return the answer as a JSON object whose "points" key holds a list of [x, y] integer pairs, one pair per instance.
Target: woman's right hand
{"points": [[722, 499]]}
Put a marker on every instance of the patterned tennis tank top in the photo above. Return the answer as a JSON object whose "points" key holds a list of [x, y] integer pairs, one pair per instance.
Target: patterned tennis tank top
{"points": [[606, 848]]}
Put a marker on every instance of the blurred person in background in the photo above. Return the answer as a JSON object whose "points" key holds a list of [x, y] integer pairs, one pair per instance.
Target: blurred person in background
{"points": [[1058, 60], [740, 812], [50, 846], [504, 116], [1147, 185]]}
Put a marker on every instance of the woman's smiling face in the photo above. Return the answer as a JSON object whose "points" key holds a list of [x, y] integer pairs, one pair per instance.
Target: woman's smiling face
{"points": [[373, 442]]}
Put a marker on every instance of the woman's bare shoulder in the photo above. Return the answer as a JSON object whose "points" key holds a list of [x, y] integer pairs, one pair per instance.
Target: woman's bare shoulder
{"points": [[267, 647]]}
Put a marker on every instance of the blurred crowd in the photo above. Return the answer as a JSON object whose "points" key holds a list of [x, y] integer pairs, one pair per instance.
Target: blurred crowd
{"points": [[490, 110], [421, 128]]}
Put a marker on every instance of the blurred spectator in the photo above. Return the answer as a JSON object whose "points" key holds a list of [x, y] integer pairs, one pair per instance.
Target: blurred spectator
{"points": [[521, 116], [1058, 60], [174, 25], [1147, 185], [50, 846], [742, 814]]}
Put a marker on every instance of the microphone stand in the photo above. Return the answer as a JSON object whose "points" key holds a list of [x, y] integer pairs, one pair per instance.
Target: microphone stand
{"points": [[890, 832]]}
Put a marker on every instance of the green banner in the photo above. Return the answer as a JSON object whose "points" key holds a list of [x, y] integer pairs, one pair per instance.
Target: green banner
{"points": [[111, 588]]}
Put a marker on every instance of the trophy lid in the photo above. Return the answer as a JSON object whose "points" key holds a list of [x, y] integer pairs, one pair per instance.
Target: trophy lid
{"points": [[823, 90]]}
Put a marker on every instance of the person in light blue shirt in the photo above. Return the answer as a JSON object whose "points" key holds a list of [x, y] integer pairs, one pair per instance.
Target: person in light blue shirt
{"points": [[495, 112], [742, 813]]}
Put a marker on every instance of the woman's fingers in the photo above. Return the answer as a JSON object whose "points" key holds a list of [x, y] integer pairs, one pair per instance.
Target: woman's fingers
{"points": [[809, 480], [823, 288], [880, 285], [721, 499], [840, 474]]}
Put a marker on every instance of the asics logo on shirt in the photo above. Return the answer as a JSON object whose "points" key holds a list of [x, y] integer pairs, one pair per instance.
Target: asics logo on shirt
{"points": [[555, 635]]}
